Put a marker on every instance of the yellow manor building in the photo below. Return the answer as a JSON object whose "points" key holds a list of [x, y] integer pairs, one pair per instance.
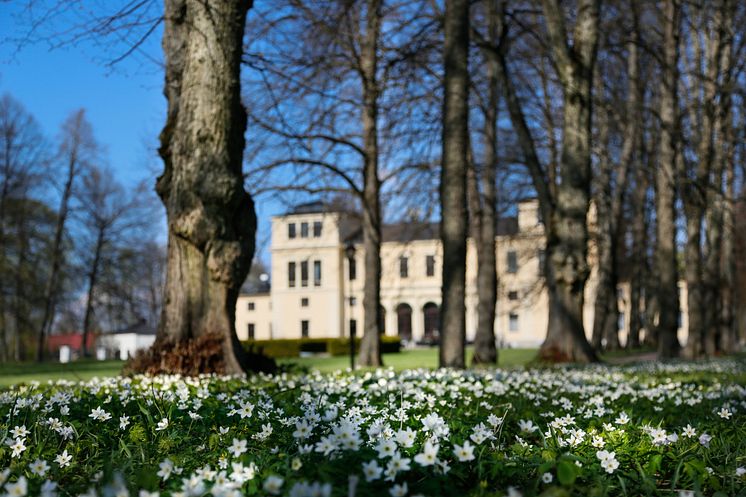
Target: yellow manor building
{"points": [[316, 291]]}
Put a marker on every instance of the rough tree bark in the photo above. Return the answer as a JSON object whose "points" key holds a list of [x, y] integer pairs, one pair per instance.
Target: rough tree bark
{"points": [[211, 218], [484, 207], [665, 249], [77, 137], [715, 288], [453, 183], [567, 233], [370, 346], [566, 268]]}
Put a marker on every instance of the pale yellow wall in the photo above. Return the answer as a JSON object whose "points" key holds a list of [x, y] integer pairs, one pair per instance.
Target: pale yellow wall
{"points": [[260, 317], [324, 311], [329, 311]]}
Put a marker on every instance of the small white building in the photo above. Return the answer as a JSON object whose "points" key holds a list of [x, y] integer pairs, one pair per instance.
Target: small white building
{"points": [[125, 343]]}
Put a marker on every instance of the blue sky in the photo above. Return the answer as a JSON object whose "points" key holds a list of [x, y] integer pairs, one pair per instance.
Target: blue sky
{"points": [[124, 103]]}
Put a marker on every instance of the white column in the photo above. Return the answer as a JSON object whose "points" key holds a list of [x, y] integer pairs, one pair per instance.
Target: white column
{"points": [[418, 320]]}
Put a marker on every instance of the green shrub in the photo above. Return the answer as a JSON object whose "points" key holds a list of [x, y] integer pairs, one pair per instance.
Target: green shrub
{"points": [[292, 347]]}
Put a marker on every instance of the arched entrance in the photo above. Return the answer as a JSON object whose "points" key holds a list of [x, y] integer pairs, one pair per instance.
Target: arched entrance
{"points": [[432, 321], [404, 321]]}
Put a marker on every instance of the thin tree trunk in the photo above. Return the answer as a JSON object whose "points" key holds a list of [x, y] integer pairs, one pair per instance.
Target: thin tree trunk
{"points": [[50, 292], [603, 315], [665, 250], [5, 354], [606, 324], [638, 261], [485, 350], [701, 202], [370, 346], [211, 218], [92, 281], [726, 321], [453, 183], [20, 309]]}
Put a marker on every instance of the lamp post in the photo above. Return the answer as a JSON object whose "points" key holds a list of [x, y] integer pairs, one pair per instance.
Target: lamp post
{"points": [[350, 252]]}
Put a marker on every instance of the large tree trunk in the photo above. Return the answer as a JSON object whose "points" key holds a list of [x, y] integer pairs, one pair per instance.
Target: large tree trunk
{"points": [[721, 62], [211, 218], [50, 292], [567, 233], [485, 350], [453, 183], [665, 250], [370, 347]]}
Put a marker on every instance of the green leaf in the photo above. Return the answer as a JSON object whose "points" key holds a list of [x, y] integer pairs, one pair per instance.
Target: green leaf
{"points": [[653, 465], [566, 472]]}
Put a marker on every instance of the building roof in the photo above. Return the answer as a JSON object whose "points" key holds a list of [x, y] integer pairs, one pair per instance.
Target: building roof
{"points": [[72, 340], [139, 328], [413, 231], [315, 207]]}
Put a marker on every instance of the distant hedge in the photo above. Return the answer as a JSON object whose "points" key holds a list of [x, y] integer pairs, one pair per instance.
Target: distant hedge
{"points": [[292, 347]]}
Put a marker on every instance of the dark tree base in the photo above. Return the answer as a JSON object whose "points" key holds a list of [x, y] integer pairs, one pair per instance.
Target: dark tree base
{"points": [[193, 357]]}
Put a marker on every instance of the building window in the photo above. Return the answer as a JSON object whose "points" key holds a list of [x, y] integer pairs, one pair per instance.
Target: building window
{"points": [[679, 320], [352, 268], [304, 302], [304, 273], [513, 295], [250, 306], [430, 265], [542, 256], [512, 262], [353, 301], [251, 331], [291, 274], [353, 327], [513, 322], [291, 230], [403, 267], [317, 229], [304, 230], [316, 273], [304, 328]]}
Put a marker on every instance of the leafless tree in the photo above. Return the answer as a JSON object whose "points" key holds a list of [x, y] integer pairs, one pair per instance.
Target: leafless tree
{"points": [[108, 214], [22, 164], [337, 112], [615, 169], [77, 148]]}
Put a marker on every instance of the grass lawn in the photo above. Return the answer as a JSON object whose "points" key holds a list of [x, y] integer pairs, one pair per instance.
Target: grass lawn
{"points": [[408, 359], [83, 370], [79, 370]]}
